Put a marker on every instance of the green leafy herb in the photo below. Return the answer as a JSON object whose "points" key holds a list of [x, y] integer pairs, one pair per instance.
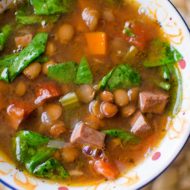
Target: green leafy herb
{"points": [[31, 149], [4, 74], [49, 7], [84, 74], [125, 136], [24, 19], [103, 83], [28, 54], [123, 76], [64, 72], [24, 140], [161, 53], [39, 157], [51, 169], [176, 89], [4, 35]]}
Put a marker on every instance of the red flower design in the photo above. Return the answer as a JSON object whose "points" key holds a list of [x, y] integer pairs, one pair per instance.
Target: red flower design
{"points": [[63, 188], [182, 64], [156, 156]]}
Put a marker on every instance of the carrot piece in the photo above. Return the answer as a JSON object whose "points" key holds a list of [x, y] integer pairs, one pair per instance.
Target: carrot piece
{"points": [[23, 40], [18, 111], [107, 169], [97, 43], [46, 91]]}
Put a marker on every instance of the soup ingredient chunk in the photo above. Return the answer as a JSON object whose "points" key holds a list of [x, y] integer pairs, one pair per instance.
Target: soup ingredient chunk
{"points": [[33, 70], [65, 33], [121, 97], [18, 111], [139, 125], [83, 134], [45, 92], [108, 109], [70, 99], [106, 96], [69, 153], [153, 102], [96, 43], [107, 169], [91, 18], [85, 93]]}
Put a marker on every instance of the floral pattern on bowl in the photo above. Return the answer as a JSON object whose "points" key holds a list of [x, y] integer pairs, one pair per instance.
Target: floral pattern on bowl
{"points": [[158, 158]]}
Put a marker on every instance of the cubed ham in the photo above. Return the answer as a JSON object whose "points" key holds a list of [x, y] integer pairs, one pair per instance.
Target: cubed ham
{"points": [[23, 40], [83, 134], [18, 111], [45, 92], [153, 102], [139, 125]]}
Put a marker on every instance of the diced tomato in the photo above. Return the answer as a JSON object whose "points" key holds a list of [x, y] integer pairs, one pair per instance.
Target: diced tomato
{"points": [[142, 35], [18, 111], [107, 169], [45, 92]]}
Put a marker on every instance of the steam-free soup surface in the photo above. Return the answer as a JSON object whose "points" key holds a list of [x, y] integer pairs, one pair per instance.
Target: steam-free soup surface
{"points": [[87, 88]]}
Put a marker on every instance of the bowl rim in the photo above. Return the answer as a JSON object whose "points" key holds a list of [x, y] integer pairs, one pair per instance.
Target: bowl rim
{"points": [[183, 145]]}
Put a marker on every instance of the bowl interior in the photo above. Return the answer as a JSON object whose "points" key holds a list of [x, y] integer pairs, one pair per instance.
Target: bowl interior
{"points": [[158, 158]]}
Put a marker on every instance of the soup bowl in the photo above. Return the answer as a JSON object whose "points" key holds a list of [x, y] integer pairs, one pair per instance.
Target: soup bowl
{"points": [[158, 158]]}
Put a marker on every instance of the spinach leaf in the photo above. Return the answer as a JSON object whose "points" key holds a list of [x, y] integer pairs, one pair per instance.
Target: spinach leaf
{"points": [[105, 79], [32, 138], [123, 76], [51, 169], [42, 154], [28, 54], [176, 91], [125, 136], [4, 35], [48, 7], [161, 53], [4, 74], [7, 60], [84, 74], [31, 150], [24, 140], [64, 72], [24, 19]]}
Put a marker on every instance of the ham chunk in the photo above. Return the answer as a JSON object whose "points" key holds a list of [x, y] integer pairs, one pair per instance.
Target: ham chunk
{"points": [[45, 92], [153, 102], [139, 125], [85, 135], [18, 111]]}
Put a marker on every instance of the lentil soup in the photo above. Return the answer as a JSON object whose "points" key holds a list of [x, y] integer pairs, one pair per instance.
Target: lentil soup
{"points": [[87, 87]]}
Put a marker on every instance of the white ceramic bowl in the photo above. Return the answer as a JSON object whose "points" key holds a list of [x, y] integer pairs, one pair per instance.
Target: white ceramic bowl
{"points": [[158, 158]]}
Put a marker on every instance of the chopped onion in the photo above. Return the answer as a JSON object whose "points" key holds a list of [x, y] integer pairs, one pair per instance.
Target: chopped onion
{"points": [[56, 144]]}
